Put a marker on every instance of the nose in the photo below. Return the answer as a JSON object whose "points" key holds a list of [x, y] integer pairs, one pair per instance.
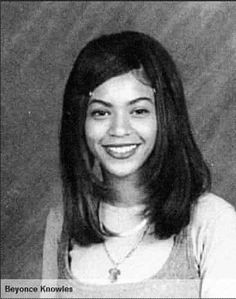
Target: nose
{"points": [[120, 125]]}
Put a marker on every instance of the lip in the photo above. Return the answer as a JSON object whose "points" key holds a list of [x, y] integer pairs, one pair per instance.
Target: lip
{"points": [[121, 151]]}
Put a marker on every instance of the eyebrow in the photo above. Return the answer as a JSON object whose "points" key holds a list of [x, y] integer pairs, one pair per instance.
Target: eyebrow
{"points": [[109, 105]]}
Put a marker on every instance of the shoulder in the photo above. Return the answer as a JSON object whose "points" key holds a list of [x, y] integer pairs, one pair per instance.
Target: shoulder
{"points": [[213, 234], [211, 208], [213, 228], [213, 224]]}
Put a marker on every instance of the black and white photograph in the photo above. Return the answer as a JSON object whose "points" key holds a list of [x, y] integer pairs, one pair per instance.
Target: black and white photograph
{"points": [[118, 149]]}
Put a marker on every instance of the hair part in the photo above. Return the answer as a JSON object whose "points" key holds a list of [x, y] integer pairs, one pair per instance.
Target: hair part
{"points": [[174, 175]]}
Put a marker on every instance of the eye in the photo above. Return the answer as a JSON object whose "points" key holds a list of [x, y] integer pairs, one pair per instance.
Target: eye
{"points": [[99, 113], [140, 112]]}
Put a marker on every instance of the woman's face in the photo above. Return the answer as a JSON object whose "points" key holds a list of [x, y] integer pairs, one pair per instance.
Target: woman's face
{"points": [[121, 124]]}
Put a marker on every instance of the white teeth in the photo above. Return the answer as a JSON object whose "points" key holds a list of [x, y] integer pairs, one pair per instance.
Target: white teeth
{"points": [[122, 149]]}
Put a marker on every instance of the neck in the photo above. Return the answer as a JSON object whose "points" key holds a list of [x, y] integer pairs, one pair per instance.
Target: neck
{"points": [[124, 191], [122, 220]]}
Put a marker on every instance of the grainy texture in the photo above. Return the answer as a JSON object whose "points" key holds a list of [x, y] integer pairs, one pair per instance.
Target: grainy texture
{"points": [[40, 41]]}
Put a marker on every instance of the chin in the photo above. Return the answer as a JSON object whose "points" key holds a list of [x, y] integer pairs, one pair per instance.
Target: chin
{"points": [[121, 172]]}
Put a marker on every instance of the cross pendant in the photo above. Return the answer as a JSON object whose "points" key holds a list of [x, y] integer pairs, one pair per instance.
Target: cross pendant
{"points": [[113, 274]]}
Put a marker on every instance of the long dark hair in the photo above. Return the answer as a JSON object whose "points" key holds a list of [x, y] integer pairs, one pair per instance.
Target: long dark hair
{"points": [[175, 174]]}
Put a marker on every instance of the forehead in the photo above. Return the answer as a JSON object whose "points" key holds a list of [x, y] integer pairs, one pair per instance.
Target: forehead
{"points": [[126, 86]]}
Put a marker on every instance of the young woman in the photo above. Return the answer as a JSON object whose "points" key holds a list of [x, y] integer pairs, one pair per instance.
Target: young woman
{"points": [[138, 219]]}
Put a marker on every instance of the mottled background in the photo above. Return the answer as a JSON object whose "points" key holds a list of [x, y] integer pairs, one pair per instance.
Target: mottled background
{"points": [[40, 41]]}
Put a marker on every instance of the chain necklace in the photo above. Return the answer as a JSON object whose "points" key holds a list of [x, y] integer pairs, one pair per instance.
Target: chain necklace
{"points": [[114, 272]]}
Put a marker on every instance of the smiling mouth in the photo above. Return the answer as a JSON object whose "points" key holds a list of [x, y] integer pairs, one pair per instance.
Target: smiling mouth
{"points": [[121, 151]]}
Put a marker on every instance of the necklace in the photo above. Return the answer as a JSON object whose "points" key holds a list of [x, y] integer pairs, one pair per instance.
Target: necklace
{"points": [[114, 272]]}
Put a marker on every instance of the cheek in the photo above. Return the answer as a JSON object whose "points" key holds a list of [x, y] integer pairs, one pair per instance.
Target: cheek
{"points": [[148, 130], [90, 135], [94, 133]]}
